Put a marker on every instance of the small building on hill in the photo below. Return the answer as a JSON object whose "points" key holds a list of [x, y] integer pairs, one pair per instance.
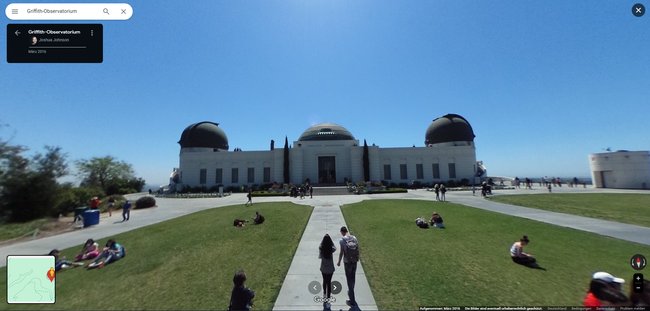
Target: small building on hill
{"points": [[621, 169]]}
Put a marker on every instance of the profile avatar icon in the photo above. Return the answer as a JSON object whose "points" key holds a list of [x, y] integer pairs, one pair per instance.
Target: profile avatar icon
{"points": [[34, 40]]}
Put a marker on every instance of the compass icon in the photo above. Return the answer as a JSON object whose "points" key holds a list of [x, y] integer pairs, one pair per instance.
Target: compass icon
{"points": [[638, 262]]}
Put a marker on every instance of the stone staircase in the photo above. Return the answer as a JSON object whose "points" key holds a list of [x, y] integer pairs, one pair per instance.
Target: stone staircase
{"points": [[335, 190]]}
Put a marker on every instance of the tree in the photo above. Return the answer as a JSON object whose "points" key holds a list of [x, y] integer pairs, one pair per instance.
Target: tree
{"points": [[286, 161], [29, 188], [366, 162], [109, 174]]}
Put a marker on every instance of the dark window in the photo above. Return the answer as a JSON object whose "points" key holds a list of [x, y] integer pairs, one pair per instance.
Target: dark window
{"points": [[251, 175], [387, 172], [235, 175], [436, 171], [402, 171], [267, 174], [218, 178], [419, 171], [452, 170], [203, 176]]}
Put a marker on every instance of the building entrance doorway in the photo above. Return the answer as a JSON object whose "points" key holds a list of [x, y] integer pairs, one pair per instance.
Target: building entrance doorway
{"points": [[326, 170]]}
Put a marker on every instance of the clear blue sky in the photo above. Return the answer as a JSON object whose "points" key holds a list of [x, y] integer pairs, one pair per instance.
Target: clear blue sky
{"points": [[543, 83]]}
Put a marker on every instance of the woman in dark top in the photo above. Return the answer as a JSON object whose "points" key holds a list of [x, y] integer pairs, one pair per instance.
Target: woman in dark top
{"points": [[241, 297], [326, 249]]}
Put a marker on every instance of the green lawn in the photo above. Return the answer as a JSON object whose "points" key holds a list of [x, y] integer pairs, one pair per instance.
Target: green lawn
{"points": [[186, 263], [469, 263], [626, 208], [10, 231]]}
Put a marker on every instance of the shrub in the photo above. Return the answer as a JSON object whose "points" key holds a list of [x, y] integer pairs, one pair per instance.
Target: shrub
{"points": [[145, 202]]}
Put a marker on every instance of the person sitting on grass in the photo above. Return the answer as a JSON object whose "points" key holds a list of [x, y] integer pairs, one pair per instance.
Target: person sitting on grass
{"points": [[111, 253], [605, 290], [90, 250], [241, 297], [60, 262], [518, 256], [436, 221], [259, 219]]}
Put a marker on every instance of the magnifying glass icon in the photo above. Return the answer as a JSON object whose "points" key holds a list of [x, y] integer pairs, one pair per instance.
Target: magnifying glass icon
{"points": [[106, 11]]}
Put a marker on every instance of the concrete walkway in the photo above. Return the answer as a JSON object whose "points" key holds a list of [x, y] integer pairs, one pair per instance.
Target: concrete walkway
{"points": [[304, 271], [627, 232]]}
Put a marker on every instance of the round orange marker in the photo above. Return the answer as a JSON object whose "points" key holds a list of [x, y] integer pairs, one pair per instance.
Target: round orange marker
{"points": [[50, 274]]}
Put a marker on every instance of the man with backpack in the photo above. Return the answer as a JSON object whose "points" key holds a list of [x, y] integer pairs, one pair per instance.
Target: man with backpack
{"points": [[350, 255]]}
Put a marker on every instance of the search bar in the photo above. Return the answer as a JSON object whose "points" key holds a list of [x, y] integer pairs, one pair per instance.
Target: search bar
{"points": [[69, 11]]}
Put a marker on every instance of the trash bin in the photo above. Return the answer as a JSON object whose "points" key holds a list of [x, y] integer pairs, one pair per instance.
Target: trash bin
{"points": [[79, 211], [91, 217]]}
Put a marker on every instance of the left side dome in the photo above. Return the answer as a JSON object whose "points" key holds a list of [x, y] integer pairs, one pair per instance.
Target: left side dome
{"points": [[204, 134]]}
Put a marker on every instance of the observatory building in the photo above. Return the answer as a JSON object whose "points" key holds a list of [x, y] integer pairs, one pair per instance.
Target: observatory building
{"points": [[327, 154]]}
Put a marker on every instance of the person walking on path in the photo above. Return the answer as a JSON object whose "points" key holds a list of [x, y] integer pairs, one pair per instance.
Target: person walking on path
{"points": [[250, 197], [311, 192], [350, 255], [325, 251], [126, 210], [111, 204]]}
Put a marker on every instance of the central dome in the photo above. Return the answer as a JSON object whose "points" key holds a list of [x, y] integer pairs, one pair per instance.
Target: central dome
{"points": [[204, 135], [326, 131]]}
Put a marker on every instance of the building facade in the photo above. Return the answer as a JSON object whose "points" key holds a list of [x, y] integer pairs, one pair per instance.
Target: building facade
{"points": [[621, 169], [327, 154]]}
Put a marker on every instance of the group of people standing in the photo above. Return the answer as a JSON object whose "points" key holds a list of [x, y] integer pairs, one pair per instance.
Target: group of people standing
{"points": [[440, 191]]}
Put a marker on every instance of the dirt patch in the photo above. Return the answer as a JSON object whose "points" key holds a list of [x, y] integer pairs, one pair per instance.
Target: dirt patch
{"points": [[53, 227]]}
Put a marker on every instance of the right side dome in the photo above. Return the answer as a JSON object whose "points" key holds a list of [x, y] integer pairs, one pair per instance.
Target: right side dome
{"points": [[449, 128]]}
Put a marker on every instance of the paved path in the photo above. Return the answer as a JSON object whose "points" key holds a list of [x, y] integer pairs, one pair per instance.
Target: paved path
{"points": [[305, 267], [109, 226]]}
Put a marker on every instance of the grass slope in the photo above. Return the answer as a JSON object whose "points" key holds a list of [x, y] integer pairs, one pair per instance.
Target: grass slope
{"points": [[187, 263], [469, 263], [626, 208]]}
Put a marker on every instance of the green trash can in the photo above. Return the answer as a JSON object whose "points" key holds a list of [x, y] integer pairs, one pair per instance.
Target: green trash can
{"points": [[79, 213]]}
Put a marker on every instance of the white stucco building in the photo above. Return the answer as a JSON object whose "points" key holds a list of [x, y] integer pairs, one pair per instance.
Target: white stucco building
{"points": [[621, 169], [327, 154]]}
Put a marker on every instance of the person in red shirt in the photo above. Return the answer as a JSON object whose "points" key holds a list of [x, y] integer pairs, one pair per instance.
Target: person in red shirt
{"points": [[604, 290], [94, 203]]}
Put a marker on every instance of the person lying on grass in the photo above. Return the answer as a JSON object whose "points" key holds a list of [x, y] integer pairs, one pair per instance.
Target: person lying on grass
{"points": [[420, 222], [239, 222], [111, 253], [60, 262]]}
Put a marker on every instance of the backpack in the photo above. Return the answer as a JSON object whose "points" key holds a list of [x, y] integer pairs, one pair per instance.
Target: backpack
{"points": [[351, 248]]}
